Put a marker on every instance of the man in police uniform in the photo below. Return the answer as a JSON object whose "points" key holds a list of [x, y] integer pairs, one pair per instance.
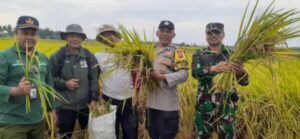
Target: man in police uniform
{"points": [[76, 79], [170, 69], [215, 111], [15, 122]]}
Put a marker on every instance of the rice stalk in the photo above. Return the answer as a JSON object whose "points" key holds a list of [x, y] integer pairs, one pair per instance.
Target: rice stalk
{"points": [[46, 93], [257, 39], [272, 107], [134, 54]]}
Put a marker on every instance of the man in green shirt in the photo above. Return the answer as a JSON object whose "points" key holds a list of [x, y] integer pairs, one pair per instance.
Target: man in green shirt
{"points": [[15, 122]]}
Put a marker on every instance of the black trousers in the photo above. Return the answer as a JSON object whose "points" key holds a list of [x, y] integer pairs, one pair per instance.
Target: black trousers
{"points": [[125, 116], [162, 124], [66, 120]]}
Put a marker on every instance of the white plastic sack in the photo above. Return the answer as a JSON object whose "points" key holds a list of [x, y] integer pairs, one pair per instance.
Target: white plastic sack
{"points": [[103, 127]]}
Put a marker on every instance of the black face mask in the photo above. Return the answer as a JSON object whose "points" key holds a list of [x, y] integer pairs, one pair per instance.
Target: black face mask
{"points": [[217, 32]]}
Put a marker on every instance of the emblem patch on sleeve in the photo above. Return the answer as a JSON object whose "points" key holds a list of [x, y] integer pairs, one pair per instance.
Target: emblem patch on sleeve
{"points": [[180, 61]]}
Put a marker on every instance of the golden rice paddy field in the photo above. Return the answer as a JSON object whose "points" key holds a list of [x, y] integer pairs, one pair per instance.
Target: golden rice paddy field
{"points": [[269, 106]]}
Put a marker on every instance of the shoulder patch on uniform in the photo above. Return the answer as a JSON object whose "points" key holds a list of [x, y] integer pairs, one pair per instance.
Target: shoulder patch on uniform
{"points": [[180, 61]]}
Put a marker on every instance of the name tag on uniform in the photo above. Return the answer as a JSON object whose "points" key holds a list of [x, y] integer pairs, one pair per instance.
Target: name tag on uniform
{"points": [[33, 93], [83, 64], [43, 64], [17, 63]]}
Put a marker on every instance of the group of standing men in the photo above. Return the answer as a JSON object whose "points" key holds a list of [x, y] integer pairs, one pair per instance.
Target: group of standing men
{"points": [[71, 72]]}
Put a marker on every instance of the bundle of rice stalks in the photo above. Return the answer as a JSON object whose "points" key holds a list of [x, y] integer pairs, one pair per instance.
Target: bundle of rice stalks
{"points": [[100, 109], [45, 92], [258, 38], [134, 54]]}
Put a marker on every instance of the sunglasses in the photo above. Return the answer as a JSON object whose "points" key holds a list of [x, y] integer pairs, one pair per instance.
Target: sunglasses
{"points": [[216, 32]]}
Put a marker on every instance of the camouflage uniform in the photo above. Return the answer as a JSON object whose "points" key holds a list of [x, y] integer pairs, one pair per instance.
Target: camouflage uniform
{"points": [[213, 111]]}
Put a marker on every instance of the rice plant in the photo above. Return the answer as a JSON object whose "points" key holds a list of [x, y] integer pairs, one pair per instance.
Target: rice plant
{"points": [[270, 106], [46, 93], [187, 102], [100, 109], [137, 55], [258, 38]]}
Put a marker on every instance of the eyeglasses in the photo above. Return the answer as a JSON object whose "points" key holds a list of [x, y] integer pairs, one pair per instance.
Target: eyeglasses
{"points": [[216, 32]]}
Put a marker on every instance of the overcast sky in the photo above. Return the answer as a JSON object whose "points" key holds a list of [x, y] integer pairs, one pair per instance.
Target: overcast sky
{"points": [[190, 16]]}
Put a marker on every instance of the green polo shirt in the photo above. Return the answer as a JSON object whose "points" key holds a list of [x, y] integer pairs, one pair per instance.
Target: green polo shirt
{"points": [[12, 109]]}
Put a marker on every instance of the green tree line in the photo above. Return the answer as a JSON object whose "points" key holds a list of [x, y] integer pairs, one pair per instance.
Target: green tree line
{"points": [[44, 33]]}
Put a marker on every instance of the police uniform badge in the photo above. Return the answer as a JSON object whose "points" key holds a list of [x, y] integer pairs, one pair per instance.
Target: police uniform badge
{"points": [[29, 21], [165, 62], [166, 23], [168, 54]]}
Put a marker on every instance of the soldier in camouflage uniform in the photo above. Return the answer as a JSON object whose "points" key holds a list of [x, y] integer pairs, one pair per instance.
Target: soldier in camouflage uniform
{"points": [[215, 111]]}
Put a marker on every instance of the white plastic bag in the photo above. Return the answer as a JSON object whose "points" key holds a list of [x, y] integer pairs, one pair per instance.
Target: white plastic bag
{"points": [[103, 127]]}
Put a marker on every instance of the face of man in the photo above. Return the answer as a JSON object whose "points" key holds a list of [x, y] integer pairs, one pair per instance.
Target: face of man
{"points": [[214, 38], [74, 40], [112, 36], [165, 36], [27, 37]]}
